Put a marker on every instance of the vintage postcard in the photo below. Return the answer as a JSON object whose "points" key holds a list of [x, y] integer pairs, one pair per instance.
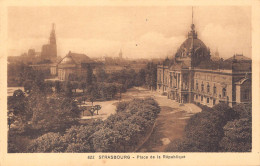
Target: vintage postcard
{"points": [[143, 83]]}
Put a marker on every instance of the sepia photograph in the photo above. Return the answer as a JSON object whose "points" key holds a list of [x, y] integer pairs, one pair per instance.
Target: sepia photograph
{"points": [[129, 79], [119, 80]]}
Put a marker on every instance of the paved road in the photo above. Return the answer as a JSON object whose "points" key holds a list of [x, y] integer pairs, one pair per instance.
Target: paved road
{"points": [[170, 122]]}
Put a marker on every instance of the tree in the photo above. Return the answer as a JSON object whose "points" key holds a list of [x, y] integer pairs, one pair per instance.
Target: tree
{"points": [[238, 136], [48, 86], [75, 86], [68, 89], [28, 86], [93, 94], [238, 133], [57, 86], [151, 75], [101, 75], [121, 106], [97, 108], [89, 78], [78, 138], [82, 85], [50, 142], [140, 79], [17, 110], [52, 114], [106, 140]]}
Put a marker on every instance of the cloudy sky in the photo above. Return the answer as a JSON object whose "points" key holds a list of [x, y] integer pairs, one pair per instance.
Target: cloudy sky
{"points": [[141, 32]]}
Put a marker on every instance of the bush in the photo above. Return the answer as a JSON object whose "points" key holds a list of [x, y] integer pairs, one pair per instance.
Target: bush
{"points": [[120, 132], [121, 106], [220, 128], [50, 142], [238, 136]]}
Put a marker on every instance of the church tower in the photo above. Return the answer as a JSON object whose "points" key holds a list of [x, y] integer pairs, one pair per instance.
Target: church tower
{"points": [[52, 35], [49, 51], [53, 46]]}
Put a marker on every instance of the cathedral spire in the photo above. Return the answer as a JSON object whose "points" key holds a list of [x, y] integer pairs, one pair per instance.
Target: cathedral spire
{"points": [[52, 35]]}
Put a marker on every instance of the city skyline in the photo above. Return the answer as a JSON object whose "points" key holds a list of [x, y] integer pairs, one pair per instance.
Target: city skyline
{"points": [[138, 31]]}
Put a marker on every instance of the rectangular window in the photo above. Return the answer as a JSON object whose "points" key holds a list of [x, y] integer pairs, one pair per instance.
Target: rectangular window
{"points": [[208, 100], [214, 101], [246, 94], [201, 98]]}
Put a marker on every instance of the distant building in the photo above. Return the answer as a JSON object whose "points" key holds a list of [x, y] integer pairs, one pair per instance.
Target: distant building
{"points": [[215, 56], [75, 65], [113, 68], [49, 51], [191, 76]]}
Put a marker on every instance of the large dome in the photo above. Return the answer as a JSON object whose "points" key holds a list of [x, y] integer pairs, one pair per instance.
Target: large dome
{"points": [[192, 48], [186, 47]]}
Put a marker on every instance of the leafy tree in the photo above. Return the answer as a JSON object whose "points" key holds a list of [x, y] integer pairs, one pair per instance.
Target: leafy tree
{"points": [[51, 114], [75, 86], [50, 142], [82, 85], [106, 140], [68, 89], [238, 136], [151, 75], [93, 94], [58, 86], [101, 75], [140, 78], [17, 110], [79, 135], [238, 133], [216, 129], [89, 78], [48, 86], [121, 106], [243, 111], [28, 86]]}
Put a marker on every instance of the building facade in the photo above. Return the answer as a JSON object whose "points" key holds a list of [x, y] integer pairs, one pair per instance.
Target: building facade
{"points": [[193, 77], [74, 65]]}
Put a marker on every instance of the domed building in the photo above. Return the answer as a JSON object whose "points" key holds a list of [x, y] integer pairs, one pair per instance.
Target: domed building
{"points": [[74, 66], [192, 76], [192, 51]]}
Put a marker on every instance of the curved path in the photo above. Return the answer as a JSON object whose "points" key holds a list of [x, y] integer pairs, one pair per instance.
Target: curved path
{"points": [[169, 124]]}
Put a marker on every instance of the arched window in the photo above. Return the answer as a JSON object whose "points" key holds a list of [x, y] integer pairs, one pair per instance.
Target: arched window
{"points": [[197, 85], [208, 88], [224, 92]]}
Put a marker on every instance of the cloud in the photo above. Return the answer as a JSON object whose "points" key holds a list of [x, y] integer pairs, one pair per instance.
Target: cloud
{"points": [[227, 39], [149, 45], [153, 44]]}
